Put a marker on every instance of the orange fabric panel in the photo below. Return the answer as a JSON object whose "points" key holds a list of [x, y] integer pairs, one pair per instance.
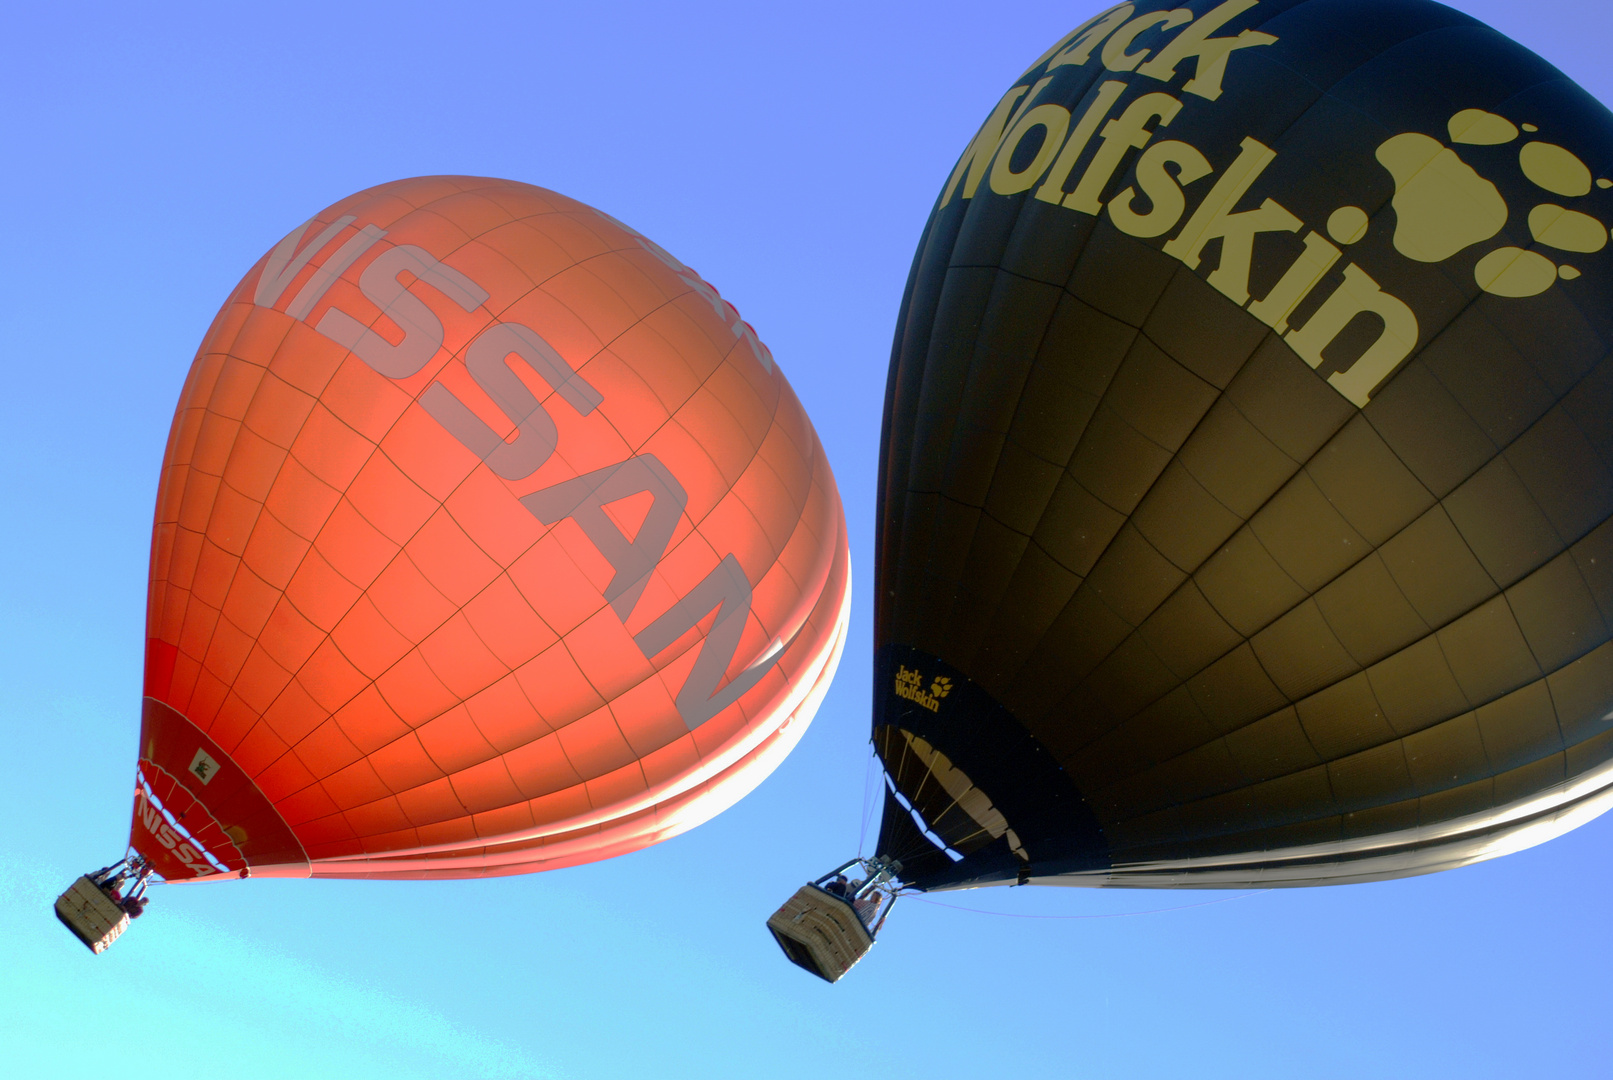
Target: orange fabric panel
{"points": [[488, 539]]}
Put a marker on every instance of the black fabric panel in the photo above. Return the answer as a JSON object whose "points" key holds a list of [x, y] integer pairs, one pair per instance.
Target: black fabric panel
{"points": [[900, 839], [1022, 779]]}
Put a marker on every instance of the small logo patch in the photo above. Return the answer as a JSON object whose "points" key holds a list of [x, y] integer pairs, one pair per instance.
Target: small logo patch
{"points": [[203, 767], [910, 685]]}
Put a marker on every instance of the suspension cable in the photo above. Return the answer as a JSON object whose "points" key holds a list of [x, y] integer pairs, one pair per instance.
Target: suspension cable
{"points": [[868, 783]]}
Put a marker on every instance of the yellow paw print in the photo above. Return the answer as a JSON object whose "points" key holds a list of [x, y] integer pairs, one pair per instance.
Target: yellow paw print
{"points": [[941, 687], [1443, 206]]}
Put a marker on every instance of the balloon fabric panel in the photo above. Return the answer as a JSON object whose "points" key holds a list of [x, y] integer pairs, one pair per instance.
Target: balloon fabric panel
{"points": [[1244, 505], [489, 539]]}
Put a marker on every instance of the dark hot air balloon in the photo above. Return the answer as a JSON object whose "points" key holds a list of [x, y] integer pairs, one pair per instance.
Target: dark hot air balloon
{"points": [[1248, 463], [489, 540]]}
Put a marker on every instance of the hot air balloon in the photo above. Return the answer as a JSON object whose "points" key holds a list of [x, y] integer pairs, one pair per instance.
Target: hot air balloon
{"points": [[489, 540], [1247, 466]]}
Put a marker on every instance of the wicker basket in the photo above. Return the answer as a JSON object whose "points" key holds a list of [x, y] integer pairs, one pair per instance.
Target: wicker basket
{"points": [[820, 932], [91, 914]]}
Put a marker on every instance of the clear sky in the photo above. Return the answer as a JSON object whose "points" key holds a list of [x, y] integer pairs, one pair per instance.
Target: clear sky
{"points": [[790, 154]]}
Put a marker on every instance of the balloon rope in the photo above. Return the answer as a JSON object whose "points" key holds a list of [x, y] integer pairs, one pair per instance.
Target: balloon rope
{"points": [[1113, 915], [868, 771]]}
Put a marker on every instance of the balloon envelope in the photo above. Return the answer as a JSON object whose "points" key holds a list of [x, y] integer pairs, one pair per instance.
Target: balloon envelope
{"points": [[489, 539], [1246, 481]]}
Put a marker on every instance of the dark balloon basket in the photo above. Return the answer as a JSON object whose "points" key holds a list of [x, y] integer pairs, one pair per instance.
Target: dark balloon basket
{"points": [[93, 916], [820, 932]]}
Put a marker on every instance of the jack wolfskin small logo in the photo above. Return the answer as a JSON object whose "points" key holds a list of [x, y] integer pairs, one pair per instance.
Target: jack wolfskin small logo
{"points": [[910, 685]]}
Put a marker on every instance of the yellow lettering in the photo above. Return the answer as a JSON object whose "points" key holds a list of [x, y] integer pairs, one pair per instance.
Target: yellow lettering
{"points": [[1214, 220], [1130, 130], [1083, 28], [1053, 190], [1090, 34], [1115, 56], [1210, 54], [1055, 121], [971, 167], [1296, 284], [1358, 295], [1163, 190]]}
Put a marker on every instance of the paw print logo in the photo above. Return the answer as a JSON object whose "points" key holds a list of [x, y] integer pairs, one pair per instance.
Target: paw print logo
{"points": [[1443, 206], [941, 687]]}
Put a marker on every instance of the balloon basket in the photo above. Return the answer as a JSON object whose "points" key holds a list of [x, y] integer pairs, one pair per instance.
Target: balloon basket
{"points": [[97, 907], [829, 924], [94, 917], [820, 932]]}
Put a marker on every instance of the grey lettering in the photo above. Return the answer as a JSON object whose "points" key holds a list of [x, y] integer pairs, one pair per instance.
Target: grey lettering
{"points": [[285, 262], [331, 269], [725, 311], [728, 590], [487, 360], [422, 330], [583, 500]]}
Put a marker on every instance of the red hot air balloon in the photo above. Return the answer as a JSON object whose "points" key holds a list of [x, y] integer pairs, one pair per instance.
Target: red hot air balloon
{"points": [[489, 540]]}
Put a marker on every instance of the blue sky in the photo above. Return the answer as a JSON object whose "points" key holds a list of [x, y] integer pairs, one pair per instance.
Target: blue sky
{"points": [[790, 154]]}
